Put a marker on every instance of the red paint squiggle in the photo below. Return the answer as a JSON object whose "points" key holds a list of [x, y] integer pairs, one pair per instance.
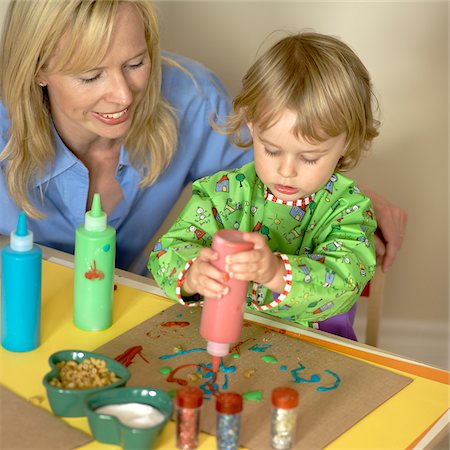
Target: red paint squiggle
{"points": [[236, 348], [126, 358], [175, 324]]}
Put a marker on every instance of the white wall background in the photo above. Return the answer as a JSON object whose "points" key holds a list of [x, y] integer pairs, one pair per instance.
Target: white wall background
{"points": [[405, 47]]}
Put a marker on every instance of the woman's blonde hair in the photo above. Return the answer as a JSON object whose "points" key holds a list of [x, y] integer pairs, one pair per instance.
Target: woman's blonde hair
{"points": [[318, 77], [31, 33]]}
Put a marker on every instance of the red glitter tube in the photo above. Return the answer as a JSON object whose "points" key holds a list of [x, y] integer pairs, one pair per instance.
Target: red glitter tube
{"points": [[188, 404]]}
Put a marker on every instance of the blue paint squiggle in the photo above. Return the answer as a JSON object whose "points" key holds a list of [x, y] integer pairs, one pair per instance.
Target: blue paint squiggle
{"points": [[333, 386], [260, 348], [183, 352]]}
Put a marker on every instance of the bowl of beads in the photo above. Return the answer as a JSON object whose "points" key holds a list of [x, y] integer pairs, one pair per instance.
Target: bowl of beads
{"points": [[132, 417], [75, 374]]}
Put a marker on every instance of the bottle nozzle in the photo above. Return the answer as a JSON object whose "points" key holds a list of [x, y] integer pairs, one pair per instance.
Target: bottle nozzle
{"points": [[96, 219], [96, 209], [217, 350], [22, 229], [22, 238], [216, 363]]}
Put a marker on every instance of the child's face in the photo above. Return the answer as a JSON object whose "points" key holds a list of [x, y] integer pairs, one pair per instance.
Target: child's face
{"points": [[289, 166]]}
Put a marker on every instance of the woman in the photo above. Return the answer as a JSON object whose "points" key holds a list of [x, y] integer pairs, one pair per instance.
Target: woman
{"points": [[89, 104]]}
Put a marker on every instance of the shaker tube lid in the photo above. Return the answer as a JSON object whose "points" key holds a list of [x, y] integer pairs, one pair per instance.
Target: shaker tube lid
{"points": [[285, 398], [189, 397], [229, 403]]}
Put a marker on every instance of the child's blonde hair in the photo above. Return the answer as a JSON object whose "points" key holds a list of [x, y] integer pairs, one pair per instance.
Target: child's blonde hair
{"points": [[31, 33], [321, 79]]}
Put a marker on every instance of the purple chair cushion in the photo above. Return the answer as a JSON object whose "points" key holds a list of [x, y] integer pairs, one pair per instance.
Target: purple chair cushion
{"points": [[341, 325]]}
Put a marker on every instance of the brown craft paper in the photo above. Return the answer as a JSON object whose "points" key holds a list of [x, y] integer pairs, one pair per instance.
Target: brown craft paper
{"points": [[336, 393], [26, 426]]}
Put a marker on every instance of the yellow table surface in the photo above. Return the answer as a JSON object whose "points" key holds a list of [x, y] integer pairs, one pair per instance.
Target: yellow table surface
{"points": [[395, 424]]}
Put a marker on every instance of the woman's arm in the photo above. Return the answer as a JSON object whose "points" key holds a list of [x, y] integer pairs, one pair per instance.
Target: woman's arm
{"points": [[392, 221]]}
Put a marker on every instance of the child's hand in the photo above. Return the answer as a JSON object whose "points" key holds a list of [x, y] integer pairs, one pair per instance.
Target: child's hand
{"points": [[204, 278], [260, 264]]}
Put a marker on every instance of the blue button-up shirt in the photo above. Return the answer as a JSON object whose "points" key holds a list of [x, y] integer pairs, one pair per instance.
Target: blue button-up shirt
{"points": [[62, 193]]}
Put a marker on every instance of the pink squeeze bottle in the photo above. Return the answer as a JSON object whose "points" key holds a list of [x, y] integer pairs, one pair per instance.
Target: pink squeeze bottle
{"points": [[222, 319]]}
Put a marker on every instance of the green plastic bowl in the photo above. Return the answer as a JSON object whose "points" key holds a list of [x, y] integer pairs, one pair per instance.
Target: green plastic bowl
{"points": [[70, 402], [110, 430]]}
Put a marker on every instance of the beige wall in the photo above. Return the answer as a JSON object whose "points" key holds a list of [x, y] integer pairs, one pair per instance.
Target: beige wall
{"points": [[405, 47]]}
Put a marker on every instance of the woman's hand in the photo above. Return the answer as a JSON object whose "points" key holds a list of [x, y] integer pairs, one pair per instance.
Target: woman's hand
{"points": [[392, 221]]}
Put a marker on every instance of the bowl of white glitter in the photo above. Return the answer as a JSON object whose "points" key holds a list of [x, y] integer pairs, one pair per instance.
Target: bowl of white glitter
{"points": [[132, 417]]}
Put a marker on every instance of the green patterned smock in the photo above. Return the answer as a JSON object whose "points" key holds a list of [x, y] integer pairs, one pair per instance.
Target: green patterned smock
{"points": [[325, 240]]}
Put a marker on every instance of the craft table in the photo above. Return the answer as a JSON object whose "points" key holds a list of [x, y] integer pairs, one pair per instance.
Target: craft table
{"points": [[416, 417]]}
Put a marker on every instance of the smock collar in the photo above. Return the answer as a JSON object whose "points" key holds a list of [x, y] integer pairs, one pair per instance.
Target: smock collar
{"points": [[268, 196]]}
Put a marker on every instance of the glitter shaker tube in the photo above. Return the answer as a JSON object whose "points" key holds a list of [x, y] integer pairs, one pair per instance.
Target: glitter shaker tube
{"points": [[229, 408], [285, 402], [188, 405]]}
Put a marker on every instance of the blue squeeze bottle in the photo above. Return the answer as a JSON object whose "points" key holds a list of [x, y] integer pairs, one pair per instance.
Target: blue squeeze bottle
{"points": [[21, 290]]}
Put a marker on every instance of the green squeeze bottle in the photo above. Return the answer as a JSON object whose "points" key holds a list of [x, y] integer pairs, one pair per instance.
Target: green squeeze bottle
{"points": [[95, 253]]}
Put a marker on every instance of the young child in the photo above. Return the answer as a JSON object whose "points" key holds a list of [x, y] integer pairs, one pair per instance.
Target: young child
{"points": [[307, 103]]}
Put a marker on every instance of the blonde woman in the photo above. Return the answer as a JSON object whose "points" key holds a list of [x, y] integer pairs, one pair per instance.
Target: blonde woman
{"points": [[89, 104], [308, 104]]}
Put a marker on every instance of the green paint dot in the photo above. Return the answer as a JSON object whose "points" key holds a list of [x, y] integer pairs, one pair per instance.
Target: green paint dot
{"points": [[269, 359], [235, 355], [255, 396], [165, 370], [172, 393]]}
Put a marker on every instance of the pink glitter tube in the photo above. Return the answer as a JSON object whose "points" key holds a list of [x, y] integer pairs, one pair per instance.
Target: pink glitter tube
{"points": [[222, 319], [188, 404]]}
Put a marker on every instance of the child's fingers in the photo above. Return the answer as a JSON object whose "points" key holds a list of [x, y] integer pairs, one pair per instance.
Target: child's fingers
{"points": [[212, 272], [259, 241], [213, 289], [248, 271], [250, 256], [210, 285], [207, 254], [206, 279]]}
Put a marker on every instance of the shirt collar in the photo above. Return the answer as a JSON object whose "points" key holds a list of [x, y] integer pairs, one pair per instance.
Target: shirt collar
{"points": [[65, 159]]}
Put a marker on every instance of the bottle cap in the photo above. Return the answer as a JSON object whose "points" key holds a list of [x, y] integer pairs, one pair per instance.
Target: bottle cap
{"points": [[285, 398], [21, 239], [189, 397], [229, 403], [217, 348], [95, 219]]}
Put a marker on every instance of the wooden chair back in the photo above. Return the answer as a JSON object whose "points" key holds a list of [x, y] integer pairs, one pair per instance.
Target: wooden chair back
{"points": [[374, 293]]}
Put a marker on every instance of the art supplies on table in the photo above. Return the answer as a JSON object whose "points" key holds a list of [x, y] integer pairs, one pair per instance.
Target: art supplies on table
{"points": [[222, 318], [229, 407], [21, 290], [285, 402], [95, 252], [189, 400]]}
